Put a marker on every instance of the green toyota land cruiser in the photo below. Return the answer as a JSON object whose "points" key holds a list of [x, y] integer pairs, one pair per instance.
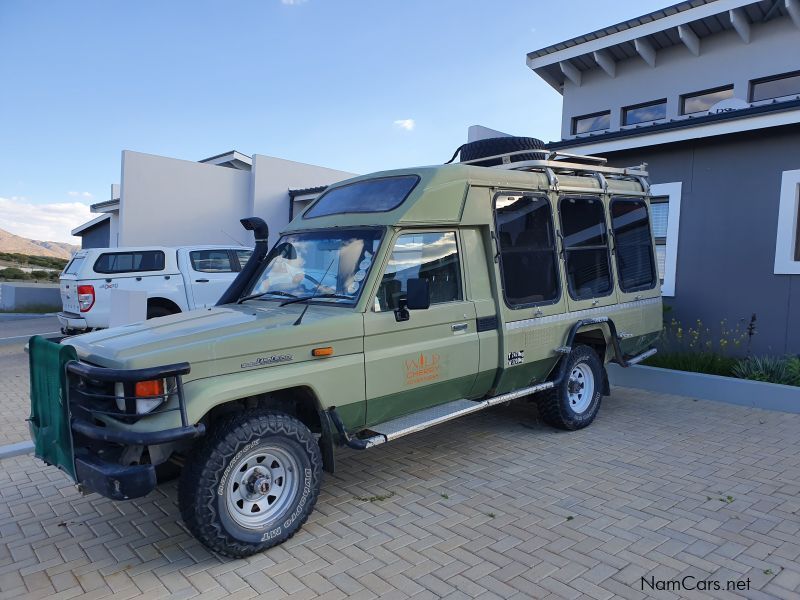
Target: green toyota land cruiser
{"points": [[396, 301]]}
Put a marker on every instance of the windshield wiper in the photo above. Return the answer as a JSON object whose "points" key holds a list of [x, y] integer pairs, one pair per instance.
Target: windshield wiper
{"points": [[314, 297], [274, 293]]}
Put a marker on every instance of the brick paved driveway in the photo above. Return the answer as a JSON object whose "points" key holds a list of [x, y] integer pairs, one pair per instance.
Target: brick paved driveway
{"points": [[494, 505]]}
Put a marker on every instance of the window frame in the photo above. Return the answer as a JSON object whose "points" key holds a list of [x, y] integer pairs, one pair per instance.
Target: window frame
{"points": [[573, 125], [625, 109], [656, 279], [318, 199], [685, 97], [388, 256], [235, 260], [755, 82], [161, 252], [565, 249], [787, 239], [556, 235]]}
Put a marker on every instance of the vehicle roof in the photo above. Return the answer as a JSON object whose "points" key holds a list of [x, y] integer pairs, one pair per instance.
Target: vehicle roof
{"points": [[86, 251], [439, 196]]}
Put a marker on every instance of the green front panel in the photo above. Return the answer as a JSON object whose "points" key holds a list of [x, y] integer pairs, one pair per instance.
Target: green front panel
{"points": [[49, 419]]}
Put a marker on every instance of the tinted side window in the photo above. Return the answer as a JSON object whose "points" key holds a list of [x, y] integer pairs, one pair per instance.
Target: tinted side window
{"points": [[127, 262], [431, 256], [583, 226], [211, 261], [631, 227], [528, 259], [243, 256]]}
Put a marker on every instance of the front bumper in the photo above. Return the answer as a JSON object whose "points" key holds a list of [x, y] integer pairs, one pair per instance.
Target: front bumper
{"points": [[72, 322], [79, 435]]}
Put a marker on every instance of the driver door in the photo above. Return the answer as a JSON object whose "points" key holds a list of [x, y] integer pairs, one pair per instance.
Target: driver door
{"points": [[433, 357]]}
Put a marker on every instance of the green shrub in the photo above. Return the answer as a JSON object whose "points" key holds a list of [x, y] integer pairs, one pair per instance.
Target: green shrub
{"points": [[771, 369], [38, 274], [712, 363], [13, 273]]}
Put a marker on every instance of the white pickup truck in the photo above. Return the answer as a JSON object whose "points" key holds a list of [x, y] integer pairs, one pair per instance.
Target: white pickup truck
{"points": [[175, 280]]}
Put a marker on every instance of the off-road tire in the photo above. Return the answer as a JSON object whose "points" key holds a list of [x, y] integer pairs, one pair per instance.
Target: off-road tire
{"points": [[158, 311], [555, 407], [502, 145], [204, 481]]}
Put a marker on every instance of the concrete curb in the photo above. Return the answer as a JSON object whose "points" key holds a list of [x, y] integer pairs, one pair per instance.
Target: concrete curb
{"points": [[17, 449], [742, 392]]}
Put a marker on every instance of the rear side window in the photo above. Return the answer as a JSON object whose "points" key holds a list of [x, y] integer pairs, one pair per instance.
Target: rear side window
{"points": [[74, 265], [243, 256], [583, 225], [130, 262], [631, 226], [528, 259], [371, 195], [211, 261]]}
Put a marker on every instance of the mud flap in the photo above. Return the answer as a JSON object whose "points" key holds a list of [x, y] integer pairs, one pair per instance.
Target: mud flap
{"points": [[50, 419]]}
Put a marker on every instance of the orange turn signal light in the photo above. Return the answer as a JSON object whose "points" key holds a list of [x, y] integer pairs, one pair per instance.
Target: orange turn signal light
{"points": [[154, 387], [326, 351]]}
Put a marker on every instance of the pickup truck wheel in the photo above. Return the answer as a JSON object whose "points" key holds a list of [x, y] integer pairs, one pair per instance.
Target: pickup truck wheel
{"points": [[253, 483], [574, 404]]}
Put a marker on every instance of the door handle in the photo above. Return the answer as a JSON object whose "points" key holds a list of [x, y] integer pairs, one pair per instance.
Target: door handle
{"points": [[459, 327], [201, 280]]}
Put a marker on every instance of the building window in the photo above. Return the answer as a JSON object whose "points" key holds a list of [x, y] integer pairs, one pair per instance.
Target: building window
{"points": [[775, 87], [593, 122], [665, 216], [583, 225], [528, 258], [643, 113], [787, 245], [634, 251], [432, 256], [702, 101]]}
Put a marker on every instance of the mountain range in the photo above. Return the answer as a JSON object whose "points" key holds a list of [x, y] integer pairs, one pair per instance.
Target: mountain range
{"points": [[20, 245]]}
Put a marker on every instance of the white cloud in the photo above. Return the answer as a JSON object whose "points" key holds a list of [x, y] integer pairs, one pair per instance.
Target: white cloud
{"points": [[45, 222], [81, 194], [293, 2], [406, 124]]}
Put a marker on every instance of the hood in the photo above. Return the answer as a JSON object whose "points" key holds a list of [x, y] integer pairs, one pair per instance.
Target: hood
{"points": [[218, 339]]}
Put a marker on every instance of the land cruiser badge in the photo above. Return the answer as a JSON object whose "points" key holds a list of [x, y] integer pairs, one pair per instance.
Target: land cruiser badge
{"points": [[516, 358], [267, 360]]}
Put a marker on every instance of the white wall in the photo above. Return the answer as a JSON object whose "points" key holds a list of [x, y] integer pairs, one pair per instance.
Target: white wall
{"points": [[724, 59], [272, 180], [167, 201]]}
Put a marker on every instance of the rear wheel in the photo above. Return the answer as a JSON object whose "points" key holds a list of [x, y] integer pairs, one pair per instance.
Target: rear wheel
{"points": [[253, 483], [574, 404]]}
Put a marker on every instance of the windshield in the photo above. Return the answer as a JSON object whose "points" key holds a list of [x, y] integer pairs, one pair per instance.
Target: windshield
{"points": [[318, 262]]}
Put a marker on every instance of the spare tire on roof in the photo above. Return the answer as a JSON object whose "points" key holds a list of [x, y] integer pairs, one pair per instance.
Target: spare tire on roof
{"points": [[502, 145]]}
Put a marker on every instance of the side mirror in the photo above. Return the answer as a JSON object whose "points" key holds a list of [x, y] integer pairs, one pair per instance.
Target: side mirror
{"points": [[417, 297], [418, 294]]}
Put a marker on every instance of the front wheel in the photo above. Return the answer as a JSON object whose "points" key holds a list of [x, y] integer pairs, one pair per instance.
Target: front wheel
{"points": [[574, 404], [253, 483]]}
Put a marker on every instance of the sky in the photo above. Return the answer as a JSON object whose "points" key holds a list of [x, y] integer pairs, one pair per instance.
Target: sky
{"points": [[356, 85]]}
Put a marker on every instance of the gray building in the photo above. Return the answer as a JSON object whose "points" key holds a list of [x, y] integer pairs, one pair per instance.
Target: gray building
{"points": [[707, 93]]}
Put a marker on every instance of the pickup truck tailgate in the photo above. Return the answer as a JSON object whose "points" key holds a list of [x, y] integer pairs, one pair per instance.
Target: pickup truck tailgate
{"points": [[69, 295]]}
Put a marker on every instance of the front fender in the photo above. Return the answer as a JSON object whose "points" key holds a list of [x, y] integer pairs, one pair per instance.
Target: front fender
{"points": [[335, 381]]}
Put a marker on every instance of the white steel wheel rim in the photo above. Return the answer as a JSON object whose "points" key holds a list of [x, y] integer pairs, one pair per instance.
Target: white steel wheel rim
{"points": [[262, 485], [580, 388]]}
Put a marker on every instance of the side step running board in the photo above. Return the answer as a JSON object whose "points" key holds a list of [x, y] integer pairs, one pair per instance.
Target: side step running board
{"points": [[396, 428]]}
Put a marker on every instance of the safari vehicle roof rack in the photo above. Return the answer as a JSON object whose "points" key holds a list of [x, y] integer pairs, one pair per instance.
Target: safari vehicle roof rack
{"points": [[563, 163]]}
